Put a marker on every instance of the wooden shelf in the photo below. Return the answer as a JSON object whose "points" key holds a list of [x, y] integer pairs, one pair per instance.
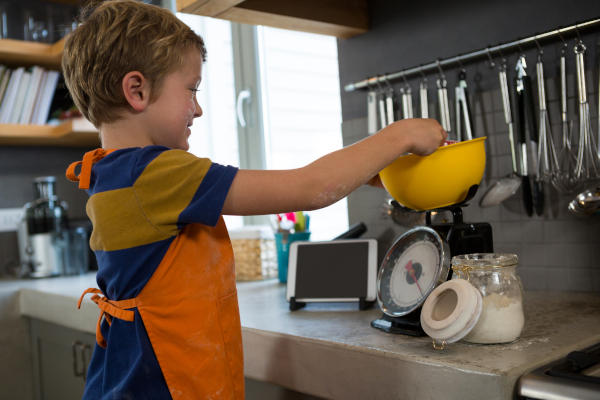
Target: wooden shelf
{"points": [[340, 18], [23, 53], [77, 132]]}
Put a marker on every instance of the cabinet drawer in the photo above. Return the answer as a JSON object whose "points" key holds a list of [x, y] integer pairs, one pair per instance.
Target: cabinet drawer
{"points": [[60, 360]]}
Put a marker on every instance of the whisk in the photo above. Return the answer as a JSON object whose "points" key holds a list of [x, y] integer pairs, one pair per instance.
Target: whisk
{"points": [[547, 158], [565, 181], [587, 167]]}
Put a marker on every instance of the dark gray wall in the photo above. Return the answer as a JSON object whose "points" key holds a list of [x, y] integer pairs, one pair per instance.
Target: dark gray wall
{"points": [[18, 167], [557, 251], [406, 34]]}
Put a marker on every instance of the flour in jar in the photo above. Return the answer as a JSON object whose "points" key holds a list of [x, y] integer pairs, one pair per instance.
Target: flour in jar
{"points": [[501, 320]]}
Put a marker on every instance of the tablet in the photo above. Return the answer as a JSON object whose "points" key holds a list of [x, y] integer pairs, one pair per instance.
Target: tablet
{"points": [[332, 271]]}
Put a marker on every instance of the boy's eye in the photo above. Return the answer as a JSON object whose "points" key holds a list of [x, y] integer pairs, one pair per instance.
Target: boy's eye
{"points": [[194, 91]]}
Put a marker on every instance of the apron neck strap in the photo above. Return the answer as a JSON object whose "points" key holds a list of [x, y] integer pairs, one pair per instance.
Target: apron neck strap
{"points": [[88, 161]]}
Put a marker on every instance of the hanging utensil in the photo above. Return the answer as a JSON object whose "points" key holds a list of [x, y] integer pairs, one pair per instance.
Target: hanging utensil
{"points": [[527, 130], [464, 127], [381, 108], [587, 167], [547, 158], [586, 203], [371, 111], [565, 181], [507, 186], [423, 98], [389, 104], [443, 102], [407, 106]]}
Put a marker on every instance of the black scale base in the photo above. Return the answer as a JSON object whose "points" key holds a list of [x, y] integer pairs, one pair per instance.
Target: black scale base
{"points": [[462, 238]]}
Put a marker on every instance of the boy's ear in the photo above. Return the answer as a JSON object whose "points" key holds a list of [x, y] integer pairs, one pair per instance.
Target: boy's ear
{"points": [[136, 90]]}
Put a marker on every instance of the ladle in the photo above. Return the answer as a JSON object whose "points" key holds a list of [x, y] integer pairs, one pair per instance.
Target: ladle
{"points": [[507, 186], [586, 202]]}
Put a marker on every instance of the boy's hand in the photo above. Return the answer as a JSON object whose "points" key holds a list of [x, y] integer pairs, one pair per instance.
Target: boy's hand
{"points": [[376, 182], [424, 135]]}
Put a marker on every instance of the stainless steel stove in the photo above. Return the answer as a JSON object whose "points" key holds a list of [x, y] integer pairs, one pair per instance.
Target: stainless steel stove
{"points": [[574, 377]]}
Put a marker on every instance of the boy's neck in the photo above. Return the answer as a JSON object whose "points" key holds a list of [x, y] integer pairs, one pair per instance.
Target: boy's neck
{"points": [[124, 133]]}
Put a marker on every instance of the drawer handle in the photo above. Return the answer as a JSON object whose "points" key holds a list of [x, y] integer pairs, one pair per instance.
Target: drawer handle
{"points": [[77, 349]]}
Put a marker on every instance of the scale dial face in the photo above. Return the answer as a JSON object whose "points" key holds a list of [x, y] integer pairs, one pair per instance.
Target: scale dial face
{"points": [[415, 264]]}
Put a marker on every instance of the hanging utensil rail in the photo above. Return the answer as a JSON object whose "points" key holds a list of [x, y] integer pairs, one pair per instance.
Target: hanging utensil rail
{"points": [[465, 57]]}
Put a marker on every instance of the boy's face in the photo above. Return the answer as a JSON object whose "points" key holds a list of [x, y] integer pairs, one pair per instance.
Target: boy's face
{"points": [[175, 108]]}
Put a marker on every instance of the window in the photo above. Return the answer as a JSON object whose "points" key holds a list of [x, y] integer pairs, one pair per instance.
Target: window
{"points": [[302, 115], [214, 135], [294, 116]]}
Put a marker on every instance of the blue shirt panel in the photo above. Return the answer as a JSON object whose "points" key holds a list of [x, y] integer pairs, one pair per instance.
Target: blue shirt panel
{"points": [[207, 203]]}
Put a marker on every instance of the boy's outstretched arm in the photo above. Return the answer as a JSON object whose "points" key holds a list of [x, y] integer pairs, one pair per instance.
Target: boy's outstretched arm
{"points": [[333, 176]]}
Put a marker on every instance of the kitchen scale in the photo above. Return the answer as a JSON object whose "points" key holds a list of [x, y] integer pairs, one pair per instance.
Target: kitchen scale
{"points": [[419, 260]]}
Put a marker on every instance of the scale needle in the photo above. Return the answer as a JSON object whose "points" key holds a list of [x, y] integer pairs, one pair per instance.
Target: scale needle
{"points": [[411, 271]]}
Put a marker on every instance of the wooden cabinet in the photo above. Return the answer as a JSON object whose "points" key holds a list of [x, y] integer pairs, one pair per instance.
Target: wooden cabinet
{"points": [[60, 360], [78, 132], [338, 18]]}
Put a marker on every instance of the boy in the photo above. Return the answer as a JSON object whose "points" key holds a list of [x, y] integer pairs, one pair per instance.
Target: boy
{"points": [[171, 325]]}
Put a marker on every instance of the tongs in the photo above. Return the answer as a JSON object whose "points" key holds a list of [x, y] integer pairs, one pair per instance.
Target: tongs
{"points": [[464, 127], [533, 192]]}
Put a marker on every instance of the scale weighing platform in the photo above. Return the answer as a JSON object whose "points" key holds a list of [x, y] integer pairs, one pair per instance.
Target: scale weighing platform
{"points": [[419, 260]]}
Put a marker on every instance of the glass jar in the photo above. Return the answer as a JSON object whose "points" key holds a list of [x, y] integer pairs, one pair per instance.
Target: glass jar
{"points": [[495, 276]]}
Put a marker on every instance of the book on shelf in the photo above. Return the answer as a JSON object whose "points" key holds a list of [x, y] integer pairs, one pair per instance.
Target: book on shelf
{"points": [[31, 94], [8, 103], [20, 99], [4, 82], [42, 109], [26, 95]]}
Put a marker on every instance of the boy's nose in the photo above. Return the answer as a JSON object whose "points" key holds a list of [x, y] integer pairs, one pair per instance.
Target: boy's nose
{"points": [[198, 112]]}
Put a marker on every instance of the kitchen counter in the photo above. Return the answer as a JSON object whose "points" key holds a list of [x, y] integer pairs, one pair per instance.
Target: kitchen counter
{"points": [[330, 350]]}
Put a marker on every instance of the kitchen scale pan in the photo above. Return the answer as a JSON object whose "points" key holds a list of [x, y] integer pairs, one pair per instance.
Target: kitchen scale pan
{"points": [[419, 261]]}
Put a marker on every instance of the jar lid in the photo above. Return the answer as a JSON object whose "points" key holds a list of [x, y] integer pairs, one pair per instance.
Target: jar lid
{"points": [[251, 232], [451, 311], [485, 260]]}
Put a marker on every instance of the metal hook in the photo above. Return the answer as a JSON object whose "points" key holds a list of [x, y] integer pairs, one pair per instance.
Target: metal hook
{"points": [[577, 32], [489, 54], [519, 47], [540, 50], [370, 84], [388, 84], [406, 85], [378, 83], [460, 64], [422, 73], [565, 45], [502, 58], [439, 65]]}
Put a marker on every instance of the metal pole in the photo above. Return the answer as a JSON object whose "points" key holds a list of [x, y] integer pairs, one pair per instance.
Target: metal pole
{"points": [[465, 57]]}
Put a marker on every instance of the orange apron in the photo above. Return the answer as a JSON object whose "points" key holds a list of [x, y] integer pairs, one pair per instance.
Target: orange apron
{"points": [[190, 311]]}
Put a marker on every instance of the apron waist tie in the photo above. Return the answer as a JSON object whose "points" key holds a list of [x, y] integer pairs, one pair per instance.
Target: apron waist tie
{"points": [[109, 309]]}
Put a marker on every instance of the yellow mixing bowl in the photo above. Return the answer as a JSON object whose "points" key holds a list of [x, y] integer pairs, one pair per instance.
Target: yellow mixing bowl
{"points": [[440, 179]]}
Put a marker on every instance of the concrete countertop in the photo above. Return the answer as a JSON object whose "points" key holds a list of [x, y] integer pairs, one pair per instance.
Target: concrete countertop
{"points": [[330, 350]]}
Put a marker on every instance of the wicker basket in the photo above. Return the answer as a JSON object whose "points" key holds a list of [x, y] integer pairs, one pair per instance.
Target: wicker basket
{"points": [[254, 252]]}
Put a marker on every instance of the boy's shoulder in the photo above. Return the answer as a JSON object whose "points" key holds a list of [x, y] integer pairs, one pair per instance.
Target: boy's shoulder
{"points": [[123, 167]]}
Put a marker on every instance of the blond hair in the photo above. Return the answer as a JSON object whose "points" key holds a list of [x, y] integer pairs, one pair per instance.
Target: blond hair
{"points": [[117, 37]]}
